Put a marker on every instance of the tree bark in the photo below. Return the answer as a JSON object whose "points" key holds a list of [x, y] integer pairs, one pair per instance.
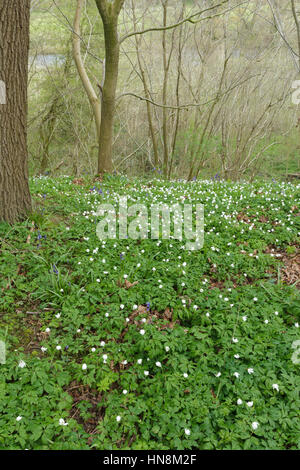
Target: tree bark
{"points": [[109, 12], [15, 201]]}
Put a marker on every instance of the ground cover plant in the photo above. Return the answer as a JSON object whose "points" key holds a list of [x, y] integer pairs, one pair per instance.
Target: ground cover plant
{"points": [[141, 344]]}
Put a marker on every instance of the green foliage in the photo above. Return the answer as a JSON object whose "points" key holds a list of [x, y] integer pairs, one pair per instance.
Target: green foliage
{"points": [[187, 371], [283, 157]]}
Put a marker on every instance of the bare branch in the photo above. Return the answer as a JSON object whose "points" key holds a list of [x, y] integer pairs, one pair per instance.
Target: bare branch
{"points": [[92, 95], [188, 105], [280, 30], [189, 19]]}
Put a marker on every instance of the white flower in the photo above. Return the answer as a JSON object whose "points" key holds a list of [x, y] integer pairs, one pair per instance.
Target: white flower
{"points": [[266, 322], [158, 364], [118, 418], [275, 387], [102, 343], [237, 356], [93, 349], [43, 349], [250, 370], [297, 325], [84, 367], [235, 340], [146, 372], [57, 315], [167, 348], [62, 422], [250, 403], [104, 356], [18, 418], [236, 374], [185, 375], [255, 425], [255, 299], [22, 364], [122, 306], [139, 361], [125, 391], [218, 374], [142, 332], [245, 317], [239, 401], [187, 432], [47, 330]]}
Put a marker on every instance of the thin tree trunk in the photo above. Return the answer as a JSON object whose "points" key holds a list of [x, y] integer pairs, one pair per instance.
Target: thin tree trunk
{"points": [[164, 97], [146, 91], [177, 114], [15, 201], [91, 93], [49, 122]]}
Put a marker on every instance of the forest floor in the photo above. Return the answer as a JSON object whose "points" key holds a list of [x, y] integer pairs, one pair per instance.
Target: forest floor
{"points": [[144, 344]]}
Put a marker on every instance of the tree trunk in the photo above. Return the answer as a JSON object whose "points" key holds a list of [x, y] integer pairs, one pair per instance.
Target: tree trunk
{"points": [[166, 63], [91, 93], [108, 94], [15, 201], [109, 12]]}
